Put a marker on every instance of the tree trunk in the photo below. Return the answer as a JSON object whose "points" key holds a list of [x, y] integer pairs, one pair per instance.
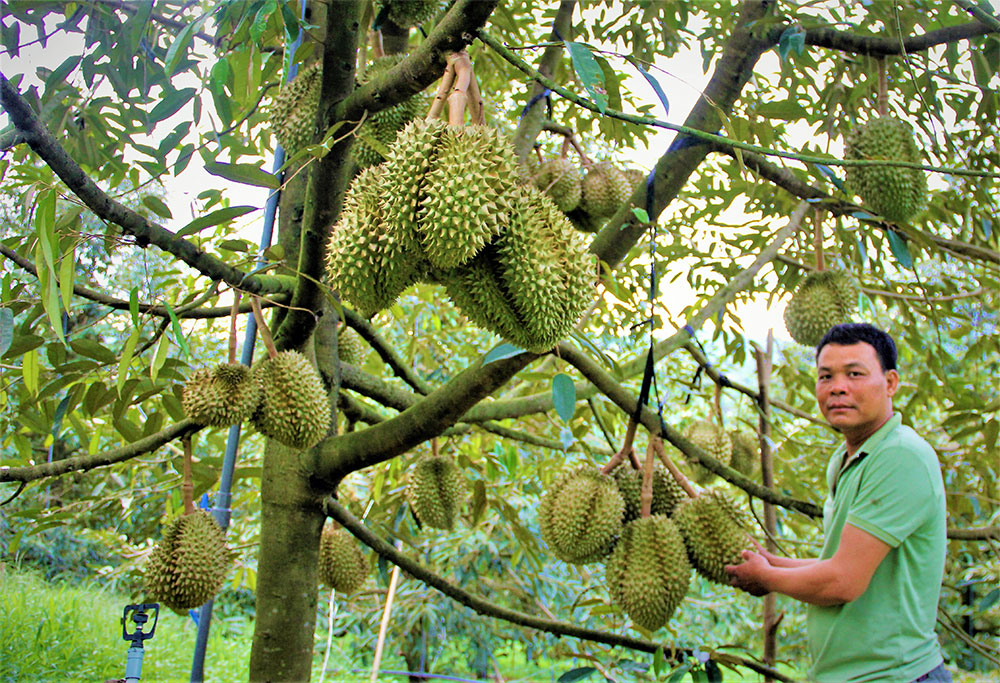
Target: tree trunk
{"points": [[292, 520]]}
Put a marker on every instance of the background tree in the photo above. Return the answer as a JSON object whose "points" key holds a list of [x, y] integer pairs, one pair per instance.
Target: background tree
{"points": [[744, 201]]}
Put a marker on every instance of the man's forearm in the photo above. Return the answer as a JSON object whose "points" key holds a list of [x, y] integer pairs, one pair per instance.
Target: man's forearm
{"points": [[817, 582], [789, 562]]}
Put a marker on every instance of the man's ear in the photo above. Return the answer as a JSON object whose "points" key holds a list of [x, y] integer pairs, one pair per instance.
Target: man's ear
{"points": [[892, 381]]}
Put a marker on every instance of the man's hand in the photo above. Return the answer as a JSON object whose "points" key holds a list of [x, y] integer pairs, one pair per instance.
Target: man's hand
{"points": [[749, 576]]}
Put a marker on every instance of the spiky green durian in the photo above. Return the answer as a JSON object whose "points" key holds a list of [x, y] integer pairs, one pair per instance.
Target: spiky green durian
{"points": [[824, 298], [605, 188], [293, 113], [712, 439], [715, 533], [371, 257], [667, 493], [634, 176], [411, 158], [468, 194], [746, 451], [559, 178], [189, 564], [379, 130], [890, 191], [435, 489], [350, 347], [581, 515], [221, 396], [408, 13], [648, 573], [294, 408], [342, 564]]}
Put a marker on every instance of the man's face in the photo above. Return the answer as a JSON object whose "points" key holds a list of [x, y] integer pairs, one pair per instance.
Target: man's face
{"points": [[853, 392]]}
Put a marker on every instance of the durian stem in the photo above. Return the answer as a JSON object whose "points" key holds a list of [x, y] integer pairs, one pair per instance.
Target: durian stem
{"points": [[437, 106], [883, 88], [233, 314], [538, 153], [625, 451], [818, 239], [434, 447], [376, 41], [672, 468], [187, 486], [265, 331], [476, 99], [458, 98], [564, 151], [717, 406], [646, 492]]}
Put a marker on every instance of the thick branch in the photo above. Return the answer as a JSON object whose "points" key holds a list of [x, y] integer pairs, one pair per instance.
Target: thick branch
{"points": [[105, 208], [877, 46], [486, 608], [82, 463], [987, 533], [979, 13]]}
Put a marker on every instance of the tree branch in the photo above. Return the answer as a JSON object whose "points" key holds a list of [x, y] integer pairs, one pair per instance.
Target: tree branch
{"points": [[481, 606], [386, 352], [144, 230], [979, 13], [82, 463], [877, 46]]}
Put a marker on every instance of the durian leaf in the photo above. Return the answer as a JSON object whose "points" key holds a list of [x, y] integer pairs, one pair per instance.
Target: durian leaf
{"points": [[786, 110], [133, 305], [899, 249], [989, 600], [245, 174], [175, 325], [659, 661], [578, 674], [57, 419], [159, 357], [564, 396], [126, 360], [589, 71], [713, 671], [178, 49], [501, 351], [170, 105], [655, 84], [214, 218], [6, 329], [793, 38], [91, 348], [157, 206], [640, 214], [478, 501], [679, 672], [30, 371], [828, 172]]}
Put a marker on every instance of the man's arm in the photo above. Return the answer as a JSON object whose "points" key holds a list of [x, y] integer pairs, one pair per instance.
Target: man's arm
{"points": [[842, 578], [779, 561]]}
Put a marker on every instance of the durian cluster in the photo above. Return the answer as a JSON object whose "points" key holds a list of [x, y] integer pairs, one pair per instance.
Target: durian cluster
{"points": [[435, 490], [824, 298], [283, 397], [189, 564], [446, 207], [895, 193], [596, 191], [587, 516]]}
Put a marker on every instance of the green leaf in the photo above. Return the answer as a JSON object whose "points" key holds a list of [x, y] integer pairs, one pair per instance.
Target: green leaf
{"points": [[792, 39], [989, 599], [214, 218], [899, 249], [564, 396], [6, 329], [157, 206], [126, 360], [175, 325], [66, 271], [91, 348], [243, 173], [10, 37], [136, 25], [713, 671], [29, 370], [60, 413], [260, 21], [45, 226], [828, 172], [679, 672], [58, 77], [133, 305], [640, 214], [655, 85], [578, 674], [659, 662], [159, 357], [171, 104], [788, 110], [589, 71], [501, 351], [178, 49]]}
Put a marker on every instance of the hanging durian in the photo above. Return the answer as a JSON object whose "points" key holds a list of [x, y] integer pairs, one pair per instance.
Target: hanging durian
{"points": [[746, 451], [894, 193], [559, 178], [407, 13], [580, 515], [342, 564], [715, 534], [712, 439], [824, 298], [667, 493], [224, 395], [189, 564], [294, 407], [293, 113], [604, 190], [350, 347], [435, 489], [379, 129]]}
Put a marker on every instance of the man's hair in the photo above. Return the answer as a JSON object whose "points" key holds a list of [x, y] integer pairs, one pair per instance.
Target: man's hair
{"points": [[853, 333]]}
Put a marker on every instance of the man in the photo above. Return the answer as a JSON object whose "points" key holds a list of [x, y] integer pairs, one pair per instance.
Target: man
{"points": [[872, 594]]}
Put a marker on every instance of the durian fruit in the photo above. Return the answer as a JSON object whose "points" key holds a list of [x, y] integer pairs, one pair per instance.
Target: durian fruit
{"points": [[435, 489], [371, 257], [342, 564], [634, 176], [559, 178], [581, 515], [468, 194], [604, 190], [293, 113], [892, 192], [294, 408], [189, 564], [405, 184], [350, 347], [824, 298], [715, 534], [383, 126], [408, 13], [667, 493], [712, 439], [648, 573], [221, 396], [746, 451]]}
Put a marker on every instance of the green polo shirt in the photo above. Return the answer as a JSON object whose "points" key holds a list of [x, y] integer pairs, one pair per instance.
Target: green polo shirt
{"points": [[892, 489]]}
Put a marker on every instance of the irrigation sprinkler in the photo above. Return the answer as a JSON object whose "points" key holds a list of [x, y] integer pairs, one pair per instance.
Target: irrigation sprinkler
{"points": [[139, 617]]}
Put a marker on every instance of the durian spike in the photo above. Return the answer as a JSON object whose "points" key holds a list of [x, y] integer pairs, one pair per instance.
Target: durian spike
{"points": [[818, 239], [646, 492], [233, 314], [476, 100], [657, 443], [265, 331], [883, 88], [625, 451], [437, 105], [187, 485], [458, 98]]}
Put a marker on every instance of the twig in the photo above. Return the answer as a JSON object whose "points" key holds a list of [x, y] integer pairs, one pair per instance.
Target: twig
{"points": [[672, 468], [265, 331], [437, 105]]}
